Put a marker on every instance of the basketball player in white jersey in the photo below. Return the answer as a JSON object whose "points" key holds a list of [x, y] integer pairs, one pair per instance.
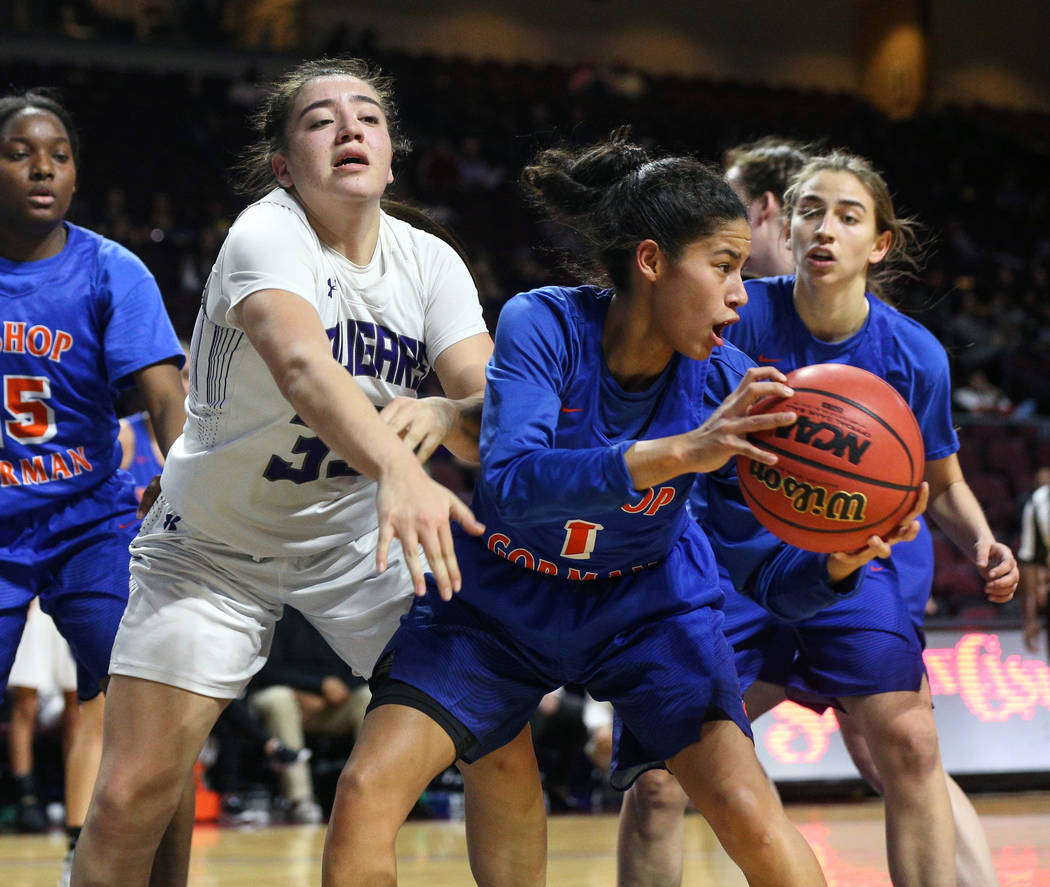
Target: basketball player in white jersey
{"points": [[288, 485]]}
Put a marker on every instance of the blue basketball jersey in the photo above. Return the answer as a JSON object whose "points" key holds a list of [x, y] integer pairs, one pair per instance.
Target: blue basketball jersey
{"points": [[890, 345], [73, 330], [554, 490]]}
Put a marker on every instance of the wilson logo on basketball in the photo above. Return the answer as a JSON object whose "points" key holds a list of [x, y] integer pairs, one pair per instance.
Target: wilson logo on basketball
{"points": [[807, 498], [827, 437]]}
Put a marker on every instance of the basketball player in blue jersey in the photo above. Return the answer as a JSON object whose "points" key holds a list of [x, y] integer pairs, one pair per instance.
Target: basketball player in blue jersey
{"points": [[80, 319], [865, 654], [590, 570], [651, 825], [299, 478]]}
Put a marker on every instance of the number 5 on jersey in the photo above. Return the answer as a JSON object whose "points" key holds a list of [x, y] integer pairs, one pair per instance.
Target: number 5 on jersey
{"points": [[32, 420]]}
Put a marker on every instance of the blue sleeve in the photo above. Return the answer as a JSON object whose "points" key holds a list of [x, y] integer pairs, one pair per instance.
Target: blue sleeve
{"points": [[533, 481], [138, 332], [932, 403]]}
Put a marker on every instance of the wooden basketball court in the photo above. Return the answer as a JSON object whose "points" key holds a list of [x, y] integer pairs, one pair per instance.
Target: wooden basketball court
{"points": [[847, 838]]}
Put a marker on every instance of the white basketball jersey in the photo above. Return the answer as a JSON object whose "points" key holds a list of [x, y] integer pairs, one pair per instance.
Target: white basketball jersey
{"points": [[247, 470]]}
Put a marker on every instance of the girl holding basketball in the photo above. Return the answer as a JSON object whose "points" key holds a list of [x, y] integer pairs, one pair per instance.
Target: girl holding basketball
{"points": [[865, 654], [591, 570]]}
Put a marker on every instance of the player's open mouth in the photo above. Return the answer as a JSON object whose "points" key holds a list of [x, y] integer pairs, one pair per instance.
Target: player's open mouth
{"points": [[820, 255], [352, 159]]}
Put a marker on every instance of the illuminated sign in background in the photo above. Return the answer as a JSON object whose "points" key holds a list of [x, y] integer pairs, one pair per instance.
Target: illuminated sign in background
{"points": [[991, 701]]}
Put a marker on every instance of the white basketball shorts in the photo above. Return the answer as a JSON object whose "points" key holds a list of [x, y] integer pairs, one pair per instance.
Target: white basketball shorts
{"points": [[201, 615]]}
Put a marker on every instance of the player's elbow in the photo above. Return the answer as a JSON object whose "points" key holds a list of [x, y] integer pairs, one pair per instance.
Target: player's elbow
{"points": [[298, 373]]}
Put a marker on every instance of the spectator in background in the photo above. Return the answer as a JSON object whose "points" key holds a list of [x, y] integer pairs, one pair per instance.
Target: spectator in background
{"points": [[43, 670], [979, 395], [305, 688], [1034, 556]]}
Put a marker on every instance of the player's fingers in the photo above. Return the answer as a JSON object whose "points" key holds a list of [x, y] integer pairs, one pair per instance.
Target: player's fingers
{"points": [[438, 567], [426, 446], [982, 551], [386, 536], [757, 391], [765, 372], [767, 421], [412, 437], [464, 516], [448, 553], [879, 546], [756, 454], [921, 502], [149, 496], [410, 547]]}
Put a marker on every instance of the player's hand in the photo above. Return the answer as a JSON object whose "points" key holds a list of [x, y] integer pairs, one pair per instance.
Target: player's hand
{"points": [[417, 510], [725, 432], [996, 563], [422, 423], [149, 496], [842, 563]]}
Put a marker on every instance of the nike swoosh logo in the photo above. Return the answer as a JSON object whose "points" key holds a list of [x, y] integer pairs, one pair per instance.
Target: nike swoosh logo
{"points": [[875, 569], [763, 359], [572, 409], [125, 526]]}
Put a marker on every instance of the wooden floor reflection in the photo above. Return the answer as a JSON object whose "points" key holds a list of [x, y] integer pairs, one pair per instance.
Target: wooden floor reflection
{"points": [[847, 838]]}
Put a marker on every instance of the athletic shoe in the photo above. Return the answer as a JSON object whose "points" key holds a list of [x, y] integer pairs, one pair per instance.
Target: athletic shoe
{"points": [[282, 757], [306, 813], [30, 817], [67, 870], [234, 811]]}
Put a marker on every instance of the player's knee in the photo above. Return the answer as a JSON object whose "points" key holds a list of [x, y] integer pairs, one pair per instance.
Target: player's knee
{"points": [[658, 797], [912, 753], [136, 799], [363, 781], [744, 820]]}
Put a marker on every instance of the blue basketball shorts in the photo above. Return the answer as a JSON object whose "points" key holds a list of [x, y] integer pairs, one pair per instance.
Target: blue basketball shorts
{"points": [[861, 646], [74, 556], [665, 676]]}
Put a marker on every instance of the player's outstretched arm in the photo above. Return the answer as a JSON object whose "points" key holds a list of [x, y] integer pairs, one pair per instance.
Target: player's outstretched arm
{"points": [[454, 421], [287, 333]]}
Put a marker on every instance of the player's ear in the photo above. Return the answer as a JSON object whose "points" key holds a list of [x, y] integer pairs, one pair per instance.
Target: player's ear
{"points": [[280, 171], [881, 247], [649, 259], [769, 206]]}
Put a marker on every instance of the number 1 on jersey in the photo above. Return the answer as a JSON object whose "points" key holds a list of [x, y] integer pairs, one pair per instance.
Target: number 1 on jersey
{"points": [[579, 539]]}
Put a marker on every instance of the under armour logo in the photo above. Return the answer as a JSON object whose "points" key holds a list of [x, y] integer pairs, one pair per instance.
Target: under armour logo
{"points": [[170, 521], [331, 287]]}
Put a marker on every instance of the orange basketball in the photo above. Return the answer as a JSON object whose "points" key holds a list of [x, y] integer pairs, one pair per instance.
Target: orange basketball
{"points": [[848, 469]]}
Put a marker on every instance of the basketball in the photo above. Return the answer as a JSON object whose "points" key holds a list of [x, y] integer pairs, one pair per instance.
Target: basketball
{"points": [[849, 468]]}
